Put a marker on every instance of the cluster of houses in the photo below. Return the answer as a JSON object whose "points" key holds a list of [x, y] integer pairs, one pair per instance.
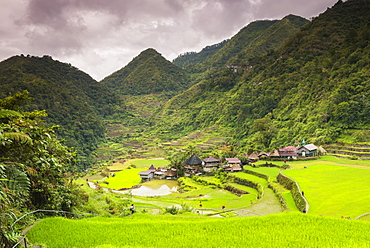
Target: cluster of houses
{"points": [[194, 165], [158, 173], [288, 153]]}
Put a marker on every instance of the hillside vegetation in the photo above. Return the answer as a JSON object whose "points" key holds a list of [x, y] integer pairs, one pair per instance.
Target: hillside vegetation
{"points": [[191, 58], [255, 39], [72, 98], [314, 87], [35, 168], [147, 73]]}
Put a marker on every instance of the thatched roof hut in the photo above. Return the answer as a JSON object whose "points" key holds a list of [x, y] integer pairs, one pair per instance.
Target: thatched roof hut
{"points": [[263, 154], [322, 150], [194, 160], [274, 154], [210, 159], [253, 156]]}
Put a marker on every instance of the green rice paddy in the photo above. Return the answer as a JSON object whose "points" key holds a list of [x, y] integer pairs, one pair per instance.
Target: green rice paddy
{"points": [[278, 230], [129, 174], [123, 179], [334, 190]]}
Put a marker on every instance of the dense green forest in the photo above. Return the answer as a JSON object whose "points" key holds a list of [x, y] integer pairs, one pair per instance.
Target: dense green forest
{"points": [[192, 58], [72, 98], [274, 83], [255, 39], [314, 87], [148, 73]]}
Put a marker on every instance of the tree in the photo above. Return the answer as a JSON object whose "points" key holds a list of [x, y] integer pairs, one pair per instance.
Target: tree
{"points": [[264, 131], [30, 154]]}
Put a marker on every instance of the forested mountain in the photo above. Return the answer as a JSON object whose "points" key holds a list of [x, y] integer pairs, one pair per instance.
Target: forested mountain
{"points": [[191, 58], [270, 39], [71, 98], [314, 87], [147, 73], [255, 39]]}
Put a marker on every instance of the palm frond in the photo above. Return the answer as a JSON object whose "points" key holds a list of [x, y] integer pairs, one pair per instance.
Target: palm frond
{"points": [[17, 181], [19, 137], [6, 113]]}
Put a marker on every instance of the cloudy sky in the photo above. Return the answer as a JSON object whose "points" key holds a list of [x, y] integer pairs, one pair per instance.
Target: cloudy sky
{"points": [[102, 36]]}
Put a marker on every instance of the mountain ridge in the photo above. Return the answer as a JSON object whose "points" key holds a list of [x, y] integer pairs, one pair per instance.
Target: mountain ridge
{"points": [[147, 73], [71, 97], [280, 98]]}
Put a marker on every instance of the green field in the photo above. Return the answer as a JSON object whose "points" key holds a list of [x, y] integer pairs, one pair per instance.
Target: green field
{"points": [[333, 186], [123, 179], [146, 163], [330, 160], [279, 230], [130, 177], [334, 190], [140, 163]]}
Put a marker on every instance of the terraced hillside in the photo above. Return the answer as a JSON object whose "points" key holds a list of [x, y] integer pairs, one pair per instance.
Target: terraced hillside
{"points": [[347, 150]]}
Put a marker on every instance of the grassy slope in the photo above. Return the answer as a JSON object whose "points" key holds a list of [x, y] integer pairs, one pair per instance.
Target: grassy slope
{"points": [[280, 230]]}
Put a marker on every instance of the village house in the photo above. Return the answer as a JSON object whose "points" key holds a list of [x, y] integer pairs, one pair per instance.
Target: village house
{"points": [[322, 150], [274, 155], [288, 152], [309, 150], [233, 165], [171, 174], [160, 173], [148, 174], [210, 164], [263, 155], [253, 157], [193, 165]]}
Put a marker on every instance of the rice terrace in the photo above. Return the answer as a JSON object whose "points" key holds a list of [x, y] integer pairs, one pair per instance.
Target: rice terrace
{"points": [[336, 189], [255, 134]]}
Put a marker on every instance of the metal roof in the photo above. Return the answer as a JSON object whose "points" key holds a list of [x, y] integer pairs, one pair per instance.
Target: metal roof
{"points": [[310, 147]]}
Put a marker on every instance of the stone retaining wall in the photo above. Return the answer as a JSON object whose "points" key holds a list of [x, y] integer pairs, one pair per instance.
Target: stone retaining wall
{"points": [[299, 199]]}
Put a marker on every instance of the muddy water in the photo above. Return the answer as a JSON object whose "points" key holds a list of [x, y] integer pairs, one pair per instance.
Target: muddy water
{"points": [[154, 188]]}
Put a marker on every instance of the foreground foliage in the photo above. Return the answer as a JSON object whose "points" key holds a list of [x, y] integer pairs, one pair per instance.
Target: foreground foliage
{"points": [[33, 167], [281, 230]]}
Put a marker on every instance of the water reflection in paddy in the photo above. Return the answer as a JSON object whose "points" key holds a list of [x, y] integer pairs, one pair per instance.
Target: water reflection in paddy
{"points": [[154, 188]]}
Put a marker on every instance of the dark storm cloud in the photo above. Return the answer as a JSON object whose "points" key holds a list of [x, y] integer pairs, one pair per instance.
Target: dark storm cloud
{"points": [[101, 36]]}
